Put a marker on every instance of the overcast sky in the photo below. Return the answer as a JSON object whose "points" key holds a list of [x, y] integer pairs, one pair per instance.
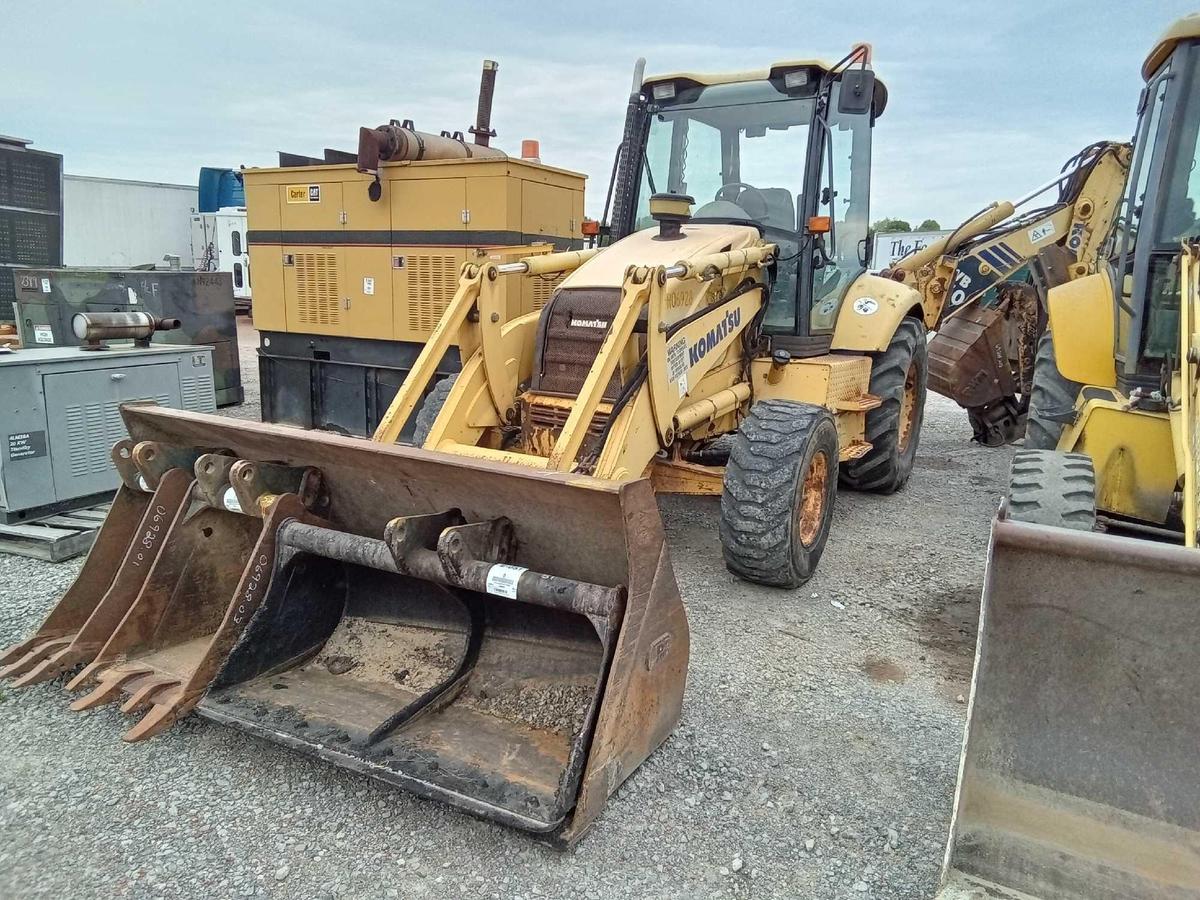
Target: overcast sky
{"points": [[986, 100]]}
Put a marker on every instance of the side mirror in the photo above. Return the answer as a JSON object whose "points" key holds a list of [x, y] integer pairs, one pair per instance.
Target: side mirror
{"points": [[858, 91]]}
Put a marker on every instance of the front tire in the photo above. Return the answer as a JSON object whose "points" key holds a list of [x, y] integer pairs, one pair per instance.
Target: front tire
{"points": [[780, 485], [898, 377], [1051, 399], [1051, 488]]}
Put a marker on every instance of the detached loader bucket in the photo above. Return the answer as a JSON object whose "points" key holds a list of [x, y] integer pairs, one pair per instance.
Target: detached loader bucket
{"points": [[209, 574], [1078, 777], [507, 641], [155, 482]]}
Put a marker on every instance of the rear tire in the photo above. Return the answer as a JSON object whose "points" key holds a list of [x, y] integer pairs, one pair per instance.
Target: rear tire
{"points": [[898, 378], [780, 485], [1051, 397], [430, 407], [1051, 488]]}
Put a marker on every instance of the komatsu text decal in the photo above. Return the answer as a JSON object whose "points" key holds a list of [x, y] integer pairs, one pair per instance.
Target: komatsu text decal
{"points": [[715, 335]]}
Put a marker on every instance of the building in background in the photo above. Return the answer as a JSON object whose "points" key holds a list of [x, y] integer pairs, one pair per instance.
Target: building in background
{"points": [[126, 224]]}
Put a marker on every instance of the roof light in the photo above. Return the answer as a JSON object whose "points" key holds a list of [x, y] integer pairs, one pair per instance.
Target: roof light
{"points": [[664, 90], [796, 78]]}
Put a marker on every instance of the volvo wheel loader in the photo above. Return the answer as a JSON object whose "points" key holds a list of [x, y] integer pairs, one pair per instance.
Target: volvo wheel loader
{"points": [[491, 619], [1078, 773]]}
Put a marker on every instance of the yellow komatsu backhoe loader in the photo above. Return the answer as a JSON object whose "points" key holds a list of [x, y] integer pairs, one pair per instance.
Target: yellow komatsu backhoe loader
{"points": [[1078, 774], [491, 619], [983, 353]]}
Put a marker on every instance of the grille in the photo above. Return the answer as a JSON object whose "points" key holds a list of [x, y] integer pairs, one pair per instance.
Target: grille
{"points": [[197, 393], [30, 239], [543, 289], [317, 288], [30, 181], [432, 280], [92, 429], [566, 351]]}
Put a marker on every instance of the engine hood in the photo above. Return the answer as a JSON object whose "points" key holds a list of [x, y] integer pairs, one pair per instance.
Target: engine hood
{"points": [[645, 248]]}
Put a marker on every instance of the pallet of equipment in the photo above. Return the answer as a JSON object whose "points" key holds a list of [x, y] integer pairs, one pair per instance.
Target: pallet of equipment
{"points": [[54, 538]]}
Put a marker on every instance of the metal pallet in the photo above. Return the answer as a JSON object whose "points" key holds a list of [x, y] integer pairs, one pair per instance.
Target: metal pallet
{"points": [[54, 538]]}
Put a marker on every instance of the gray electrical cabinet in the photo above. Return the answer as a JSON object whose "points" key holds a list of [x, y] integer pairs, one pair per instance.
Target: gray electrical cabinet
{"points": [[60, 416], [46, 300]]}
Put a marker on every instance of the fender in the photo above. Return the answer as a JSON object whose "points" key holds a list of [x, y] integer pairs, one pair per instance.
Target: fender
{"points": [[873, 308]]}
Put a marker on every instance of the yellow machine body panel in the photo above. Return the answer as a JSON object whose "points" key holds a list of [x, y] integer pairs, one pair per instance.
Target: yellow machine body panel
{"points": [[328, 260], [871, 310], [1133, 451], [1081, 319]]}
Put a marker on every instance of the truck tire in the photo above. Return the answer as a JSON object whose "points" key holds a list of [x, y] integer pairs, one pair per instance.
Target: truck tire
{"points": [[430, 407], [1051, 488], [1051, 397], [898, 378], [780, 484]]}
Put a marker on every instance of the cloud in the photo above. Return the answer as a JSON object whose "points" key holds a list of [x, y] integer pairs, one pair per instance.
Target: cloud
{"points": [[985, 101]]}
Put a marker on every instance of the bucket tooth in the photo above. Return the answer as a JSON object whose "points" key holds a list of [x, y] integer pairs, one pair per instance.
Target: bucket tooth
{"points": [[34, 656], [108, 690], [160, 717], [146, 691], [50, 665]]}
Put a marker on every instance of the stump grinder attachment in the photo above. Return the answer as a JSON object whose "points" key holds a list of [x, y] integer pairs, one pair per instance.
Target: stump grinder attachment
{"points": [[509, 641], [1078, 775]]}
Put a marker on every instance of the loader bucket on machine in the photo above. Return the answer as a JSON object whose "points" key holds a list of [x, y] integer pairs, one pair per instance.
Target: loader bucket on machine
{"points": [[507, 641], [1078, 775], [211, 570], [155, 483]]}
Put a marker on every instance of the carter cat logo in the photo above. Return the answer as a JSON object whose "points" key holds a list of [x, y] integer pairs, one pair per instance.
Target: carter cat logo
{"points": [[715, 335]]}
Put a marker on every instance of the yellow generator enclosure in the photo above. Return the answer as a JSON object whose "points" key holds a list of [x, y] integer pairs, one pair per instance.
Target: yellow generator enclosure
{"points": [[350, 275]]}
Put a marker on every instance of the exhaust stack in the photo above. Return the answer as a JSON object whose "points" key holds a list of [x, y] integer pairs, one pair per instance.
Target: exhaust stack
{"points": [[483, 130]]}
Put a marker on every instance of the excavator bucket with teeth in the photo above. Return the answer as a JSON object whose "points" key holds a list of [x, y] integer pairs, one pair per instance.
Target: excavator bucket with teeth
{"points": [[155, 482], [507, 641], [210, 572]]}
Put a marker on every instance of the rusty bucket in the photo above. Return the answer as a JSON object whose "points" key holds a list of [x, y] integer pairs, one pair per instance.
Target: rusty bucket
{"points": [[211, 568], [156, 480], [507, 641], [1078, 775]]}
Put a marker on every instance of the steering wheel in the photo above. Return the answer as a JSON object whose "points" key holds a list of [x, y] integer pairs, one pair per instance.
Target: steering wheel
{"points": [[747, 196]]}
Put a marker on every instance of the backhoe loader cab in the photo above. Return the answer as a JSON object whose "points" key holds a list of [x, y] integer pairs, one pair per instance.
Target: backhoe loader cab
{"points": [[788, 149]]}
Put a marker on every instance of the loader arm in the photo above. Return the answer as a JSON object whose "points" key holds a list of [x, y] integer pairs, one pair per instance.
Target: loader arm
{"points": [[700, 306], [982, 355]]}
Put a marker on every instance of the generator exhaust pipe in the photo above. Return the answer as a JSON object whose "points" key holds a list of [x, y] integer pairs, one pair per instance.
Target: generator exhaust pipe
{"points": [[482, 129]]}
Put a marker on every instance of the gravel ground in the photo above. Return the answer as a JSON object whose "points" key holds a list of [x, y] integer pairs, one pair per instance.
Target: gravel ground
{"points": [[816, 758]]}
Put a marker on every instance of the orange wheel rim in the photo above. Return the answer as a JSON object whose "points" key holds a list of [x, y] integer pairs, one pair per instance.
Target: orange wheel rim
{"points": [[811, 511], [908, 406]]}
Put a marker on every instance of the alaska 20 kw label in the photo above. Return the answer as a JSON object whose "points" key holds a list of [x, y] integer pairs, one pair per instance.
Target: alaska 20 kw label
{"points": [[26, 445]]}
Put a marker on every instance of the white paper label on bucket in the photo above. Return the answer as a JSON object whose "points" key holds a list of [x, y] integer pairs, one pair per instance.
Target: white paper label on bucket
{"points": [[502, 580], [231, 501]]}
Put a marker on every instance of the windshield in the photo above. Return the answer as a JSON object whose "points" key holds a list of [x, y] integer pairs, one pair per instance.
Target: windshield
{"points": [[741, 151]]}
